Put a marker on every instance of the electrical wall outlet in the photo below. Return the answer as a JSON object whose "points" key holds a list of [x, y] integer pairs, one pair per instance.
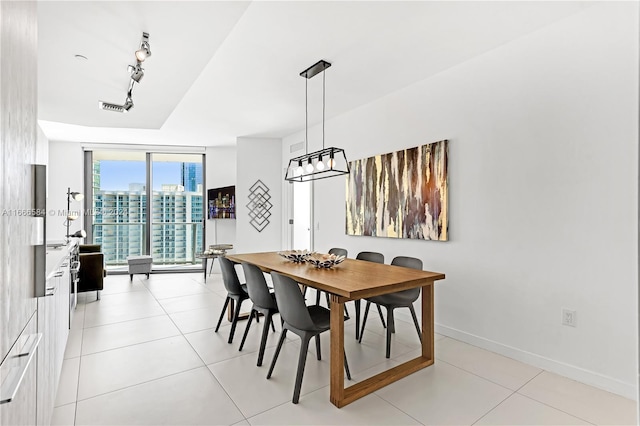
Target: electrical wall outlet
{"points": [[569, 317]]}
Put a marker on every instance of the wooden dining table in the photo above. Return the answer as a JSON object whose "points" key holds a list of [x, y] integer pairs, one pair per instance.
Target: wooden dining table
{"points": [[353, 280]]}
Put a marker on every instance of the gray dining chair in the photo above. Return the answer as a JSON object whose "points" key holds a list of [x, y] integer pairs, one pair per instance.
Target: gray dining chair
{"points": [[235, 291], [264, 302], [302, 320], [369, 256], [399, 299]]}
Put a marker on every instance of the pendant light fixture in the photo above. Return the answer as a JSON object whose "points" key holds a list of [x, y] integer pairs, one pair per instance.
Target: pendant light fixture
{"points": [[326, 163]]}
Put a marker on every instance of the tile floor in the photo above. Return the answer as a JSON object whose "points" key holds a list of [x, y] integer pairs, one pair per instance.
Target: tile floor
{"points": [[146, 353]]}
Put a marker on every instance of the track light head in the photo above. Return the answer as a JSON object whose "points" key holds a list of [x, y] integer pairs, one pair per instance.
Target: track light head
{"points": [[137, 72], [145, 51]]}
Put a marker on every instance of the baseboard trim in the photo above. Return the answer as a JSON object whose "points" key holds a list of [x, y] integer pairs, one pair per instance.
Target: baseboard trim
{"points": [[588, 377]]}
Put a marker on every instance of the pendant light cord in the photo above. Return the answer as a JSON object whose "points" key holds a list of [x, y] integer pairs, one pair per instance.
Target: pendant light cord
{"points": [[323, 104], [306, 116]]}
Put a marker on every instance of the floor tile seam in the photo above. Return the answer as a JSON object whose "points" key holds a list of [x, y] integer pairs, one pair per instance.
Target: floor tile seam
{"points": [[203, 361], [136, 344], [75, 411], [288, 401], [185, 337], [384, 335], [188, 310], [530, 380], [158, 299], [544, 403], [493, 408], [555, 408], [250, 353], [481, 377], [101, 304], [131, 290], [395, 406], [109, 310], [120, 322], [102, 293], [320, 388], [226, 393], [132, 344], [181, 334], [78, 400]]}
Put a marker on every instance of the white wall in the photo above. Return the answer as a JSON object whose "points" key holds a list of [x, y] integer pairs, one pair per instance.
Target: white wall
{"points": [[543, 193], [221, 171], [42, 147], [66, 170], [258, 158]]}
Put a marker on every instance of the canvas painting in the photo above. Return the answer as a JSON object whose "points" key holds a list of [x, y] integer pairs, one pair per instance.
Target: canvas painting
{"points": [[402, 194]]}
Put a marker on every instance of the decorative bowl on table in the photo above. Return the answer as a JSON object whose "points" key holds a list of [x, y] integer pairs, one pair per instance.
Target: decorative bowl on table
{"points": [[296, 256], [325, 260]]}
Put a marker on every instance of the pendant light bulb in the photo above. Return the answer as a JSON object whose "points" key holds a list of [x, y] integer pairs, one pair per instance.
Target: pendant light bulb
{"points": [[309, 167], [320, 164], [299, 169], [331, 162]]}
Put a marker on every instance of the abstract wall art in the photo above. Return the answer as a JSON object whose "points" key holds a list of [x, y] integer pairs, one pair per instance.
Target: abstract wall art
{"points": [[403, 194]]}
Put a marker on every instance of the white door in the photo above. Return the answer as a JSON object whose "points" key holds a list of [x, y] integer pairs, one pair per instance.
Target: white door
{"points": [[302, 238]]}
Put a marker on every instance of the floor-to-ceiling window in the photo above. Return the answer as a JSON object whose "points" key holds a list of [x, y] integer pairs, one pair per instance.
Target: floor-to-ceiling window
{"points": [[147, 203], [176, 208]]}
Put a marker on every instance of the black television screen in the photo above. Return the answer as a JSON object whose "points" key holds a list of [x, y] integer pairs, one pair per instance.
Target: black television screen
{"points": [[221, 203]]}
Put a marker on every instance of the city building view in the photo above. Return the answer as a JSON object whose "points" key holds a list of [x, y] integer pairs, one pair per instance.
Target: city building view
{"points": [[120, 219]]}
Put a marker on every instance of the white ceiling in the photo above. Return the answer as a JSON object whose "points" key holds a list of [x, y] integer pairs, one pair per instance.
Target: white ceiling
{"points": [[221, 70]]}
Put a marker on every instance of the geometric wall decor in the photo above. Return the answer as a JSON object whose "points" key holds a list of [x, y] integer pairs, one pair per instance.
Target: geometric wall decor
{"points": [[259, 205], [402, 194]]}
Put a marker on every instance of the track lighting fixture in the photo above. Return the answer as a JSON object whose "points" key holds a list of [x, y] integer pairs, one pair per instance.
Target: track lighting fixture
{"points": [[136, 73]]}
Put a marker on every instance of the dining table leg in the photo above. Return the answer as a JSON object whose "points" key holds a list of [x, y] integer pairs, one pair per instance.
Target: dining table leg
{"points": [[428, 323], [336, 390]]}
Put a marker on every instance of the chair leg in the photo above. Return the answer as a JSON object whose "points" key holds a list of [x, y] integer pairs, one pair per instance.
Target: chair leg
{"points": [[346, 367], [317, 297], [234, 322], [381, 316], [97, 294], [130, 277], [415, 321], [364, 320], [326, 296], [275, 355], [263, 340], [389, 321], [346, 312], [224, 308], [273, 327], [302, 360], [318, 352], [357, 304], [246, 329]]}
